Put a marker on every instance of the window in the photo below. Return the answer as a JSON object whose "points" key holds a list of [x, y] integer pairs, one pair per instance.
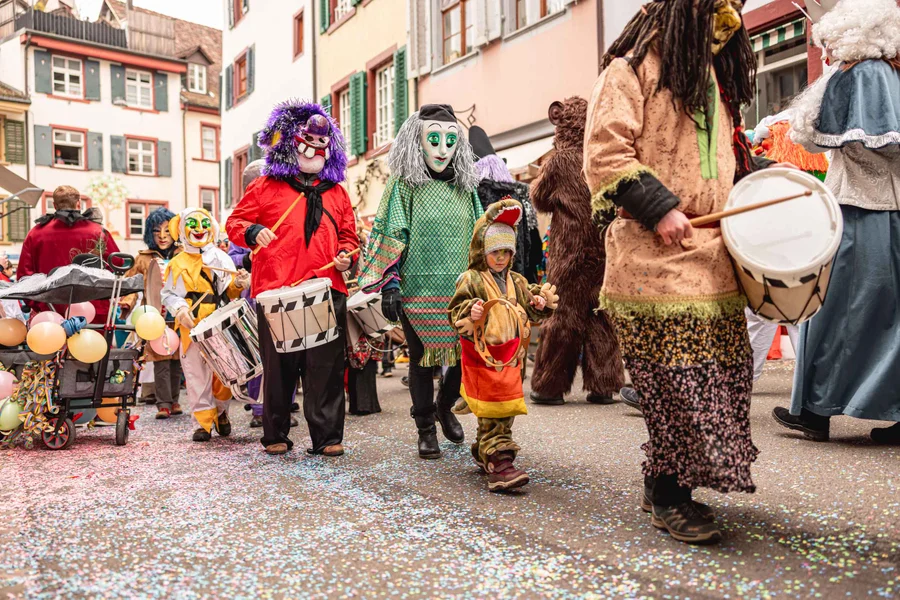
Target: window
{"points": [[384, 105], [68, 149], [459, 29], [209, 199], [137, 211], [209, 137], [531, 11], [521, 13], [345, 118], [341, 9], [298, 34], [49, 209], [240, 76], [67, 77], [781, 56], [197, 78], [139, 89], [238, 9], [548, 7], [141, 157], [241, 160]]}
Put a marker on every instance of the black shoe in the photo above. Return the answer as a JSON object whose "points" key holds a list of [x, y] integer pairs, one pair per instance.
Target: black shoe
{"points": [[538, 399], [450, 425], [600, 399], [685, 523], [255, 422], [405, 380], [201, 435], [428, 442], [886, 435], [812, 426], [294, 422], [223, 425], [705, 510], [295, 407], [631, 398]]}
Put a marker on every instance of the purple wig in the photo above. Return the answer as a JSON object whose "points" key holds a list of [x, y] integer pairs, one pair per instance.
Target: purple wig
{"points": [[278, 140], [493, 168]]}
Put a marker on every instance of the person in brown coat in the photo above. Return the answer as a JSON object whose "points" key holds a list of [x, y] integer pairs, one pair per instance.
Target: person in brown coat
{"points": [[576, 334], [150, 263]]}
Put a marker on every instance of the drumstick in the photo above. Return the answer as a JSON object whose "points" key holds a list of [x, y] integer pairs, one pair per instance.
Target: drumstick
{"points": [[280, 221], [328, 266], [229, 271], [737, 211], [199, 301]]}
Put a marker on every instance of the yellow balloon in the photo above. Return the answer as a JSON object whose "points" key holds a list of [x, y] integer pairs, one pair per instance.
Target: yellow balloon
{"points": [[12, 332], [109, 414], [88, 346], [150, 326], [46, 338]]}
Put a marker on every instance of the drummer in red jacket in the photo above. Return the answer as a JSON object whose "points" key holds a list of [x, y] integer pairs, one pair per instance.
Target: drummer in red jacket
{"points": [[304, 155]]}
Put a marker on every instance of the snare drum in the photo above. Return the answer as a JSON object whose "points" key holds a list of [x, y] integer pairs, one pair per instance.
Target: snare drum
{"points": [[783, 253], [300, 317], [229, 342], [366, 311]]}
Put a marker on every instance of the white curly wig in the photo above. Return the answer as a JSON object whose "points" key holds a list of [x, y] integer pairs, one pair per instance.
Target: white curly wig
{"points": [[857, 30]]}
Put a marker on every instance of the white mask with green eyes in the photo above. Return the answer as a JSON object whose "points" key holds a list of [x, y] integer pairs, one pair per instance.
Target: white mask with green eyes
{"points": [[439, 139]]}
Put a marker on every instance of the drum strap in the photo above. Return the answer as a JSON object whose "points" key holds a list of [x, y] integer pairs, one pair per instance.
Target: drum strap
{"points": [[213, 283]]}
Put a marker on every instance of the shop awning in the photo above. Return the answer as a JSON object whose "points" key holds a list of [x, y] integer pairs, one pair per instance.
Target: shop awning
{"points": [[778, 35], [18, 187]]}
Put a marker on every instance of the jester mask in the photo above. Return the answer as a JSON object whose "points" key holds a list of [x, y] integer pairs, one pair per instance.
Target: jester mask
{"points": [[195, 228]]}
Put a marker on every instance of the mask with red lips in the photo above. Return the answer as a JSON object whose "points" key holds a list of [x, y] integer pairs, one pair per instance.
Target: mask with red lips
{"points": [[312, 141]]}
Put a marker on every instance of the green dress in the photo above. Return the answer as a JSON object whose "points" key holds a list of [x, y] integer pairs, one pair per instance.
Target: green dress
{"points": [[426, 231]]}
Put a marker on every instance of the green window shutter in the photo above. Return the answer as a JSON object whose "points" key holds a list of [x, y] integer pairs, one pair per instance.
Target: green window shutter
{"points": [[401, 91], [43, 146], [251, 68], [118, 164], [95, 151], [161, 91], [164, 156], [255, 152], [358, 113], [229, 86], [117, 83], [324, 15], [15, 142], [326, 104], [91, 80], [19, 220], [42, 73], [355, 2], [226, 183]]}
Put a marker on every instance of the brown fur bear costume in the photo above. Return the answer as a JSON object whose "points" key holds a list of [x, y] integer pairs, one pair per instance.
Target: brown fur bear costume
{"points": [[575, 334]]}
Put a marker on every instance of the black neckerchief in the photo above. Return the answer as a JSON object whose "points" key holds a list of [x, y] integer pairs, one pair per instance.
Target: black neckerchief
{"points": [[447, 174], [314, 205], [68, 216]]}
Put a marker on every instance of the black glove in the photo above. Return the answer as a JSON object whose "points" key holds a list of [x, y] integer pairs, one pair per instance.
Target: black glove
{"points": [[391, 305], [247, 262]]}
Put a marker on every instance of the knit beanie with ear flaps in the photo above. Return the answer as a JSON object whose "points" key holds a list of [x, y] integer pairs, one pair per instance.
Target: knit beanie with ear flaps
{"points": [[499, 236]]}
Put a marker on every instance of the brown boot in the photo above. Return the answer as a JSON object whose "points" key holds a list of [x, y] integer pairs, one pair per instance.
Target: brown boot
{"points": [[685, 523], [502, 473], [334, 450], [275, 449]]}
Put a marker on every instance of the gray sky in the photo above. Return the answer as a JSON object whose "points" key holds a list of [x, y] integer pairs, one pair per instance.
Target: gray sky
{"points": [[205, 12]]}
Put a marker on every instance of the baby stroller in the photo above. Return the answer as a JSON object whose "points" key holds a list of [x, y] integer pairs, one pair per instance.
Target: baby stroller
{"points": [[77, 386]]}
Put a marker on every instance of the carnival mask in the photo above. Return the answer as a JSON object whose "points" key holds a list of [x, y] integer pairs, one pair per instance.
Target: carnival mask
{"points": [[163, 237], [312, 145], [439, 140], [198, 229], [726, 22]]}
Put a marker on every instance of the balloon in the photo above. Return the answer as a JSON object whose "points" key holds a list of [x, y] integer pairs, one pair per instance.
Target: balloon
{"points": [[83, 309], [167, 343], [109, 414], [140, 311], [9, 415], [48, 316], [7, 382], [46, 338], [12, 332], [88, 346], [150, 326], [86, 415]]}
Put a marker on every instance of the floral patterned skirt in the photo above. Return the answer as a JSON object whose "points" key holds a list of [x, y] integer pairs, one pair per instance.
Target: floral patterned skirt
{"points": [[695, 377]]}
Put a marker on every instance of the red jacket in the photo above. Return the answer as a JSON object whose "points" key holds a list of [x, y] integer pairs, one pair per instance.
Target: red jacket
{"points": [[55, 245], [288, 259]]}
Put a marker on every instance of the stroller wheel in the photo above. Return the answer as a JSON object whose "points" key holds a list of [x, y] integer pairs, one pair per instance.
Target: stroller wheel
{"points": [[63, 438], [122, 428]]}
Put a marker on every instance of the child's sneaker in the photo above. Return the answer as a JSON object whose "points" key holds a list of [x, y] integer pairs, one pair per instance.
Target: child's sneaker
{"points": [[176, 409], [163, 413], [503, 474]]}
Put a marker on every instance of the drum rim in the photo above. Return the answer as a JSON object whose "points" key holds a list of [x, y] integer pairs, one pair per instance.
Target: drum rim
{"points": [[206, 323], [272, 296], [814, 265], [354, 304]]}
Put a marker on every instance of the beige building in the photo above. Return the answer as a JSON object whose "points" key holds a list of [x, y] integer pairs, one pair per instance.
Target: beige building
{"points": [[361, 72]]}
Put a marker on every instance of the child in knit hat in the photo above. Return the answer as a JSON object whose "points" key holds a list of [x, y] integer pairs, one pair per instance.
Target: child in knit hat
{"points": [[492, 310]]}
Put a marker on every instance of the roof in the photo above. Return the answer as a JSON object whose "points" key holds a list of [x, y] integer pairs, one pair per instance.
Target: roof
{"points": [[11, 94], [190, 38]]}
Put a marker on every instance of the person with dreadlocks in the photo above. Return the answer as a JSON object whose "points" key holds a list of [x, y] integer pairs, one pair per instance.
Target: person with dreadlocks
{"points": [[304, 155], [664, 144], [151, 263], [418, 248]]}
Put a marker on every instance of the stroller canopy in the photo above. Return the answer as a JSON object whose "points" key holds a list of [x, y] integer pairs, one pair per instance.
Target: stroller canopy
{"points": [[69, 285]]}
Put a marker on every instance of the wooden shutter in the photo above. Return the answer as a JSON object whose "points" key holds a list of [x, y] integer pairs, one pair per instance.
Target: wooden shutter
{"points": [[43, 146], [19, 222], [251, 68], [255, 152], [91, 80], [358, 113], [230, 4], [43, 83], [246, 6], [117, 157], [226, 183], [117, 83], [161, 91], [95, 151], [401, 90], [164, 159], [14, 133], [229, 86], [327, 105], [324, 15]]}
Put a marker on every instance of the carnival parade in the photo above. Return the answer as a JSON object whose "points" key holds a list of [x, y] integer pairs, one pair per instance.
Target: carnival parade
{"points": [[645, 346]]}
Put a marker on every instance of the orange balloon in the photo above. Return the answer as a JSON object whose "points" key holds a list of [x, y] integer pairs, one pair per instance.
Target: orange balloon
{"points": [[88, 346], [109, 414], [46, 338], [12, 332]]}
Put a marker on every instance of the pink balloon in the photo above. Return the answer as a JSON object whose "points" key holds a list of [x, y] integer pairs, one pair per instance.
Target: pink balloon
{"points": [[7, 381], [47, 316], [83, 309], [167, 344]]}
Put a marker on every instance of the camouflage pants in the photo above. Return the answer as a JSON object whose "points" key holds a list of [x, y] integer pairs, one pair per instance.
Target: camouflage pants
{"points": [[494, 435]]}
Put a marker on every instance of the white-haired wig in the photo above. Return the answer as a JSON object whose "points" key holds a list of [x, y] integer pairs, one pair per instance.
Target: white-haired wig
{"points": [[407, 159], [857, 30]]}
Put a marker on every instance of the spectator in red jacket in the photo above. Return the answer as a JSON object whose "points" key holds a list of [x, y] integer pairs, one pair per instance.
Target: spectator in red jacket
{"points": [[58, 238]]}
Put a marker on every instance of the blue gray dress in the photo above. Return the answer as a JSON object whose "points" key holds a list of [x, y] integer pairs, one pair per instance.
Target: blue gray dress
{"points": [[848, 360]]}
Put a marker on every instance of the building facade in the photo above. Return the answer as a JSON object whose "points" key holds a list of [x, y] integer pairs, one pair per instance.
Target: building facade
{"points": [[268, 58]]}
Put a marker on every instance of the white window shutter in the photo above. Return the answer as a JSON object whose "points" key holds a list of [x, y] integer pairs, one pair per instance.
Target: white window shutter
{"points": [[494, 19], [481, 22], [412, 26], [436, 35]]}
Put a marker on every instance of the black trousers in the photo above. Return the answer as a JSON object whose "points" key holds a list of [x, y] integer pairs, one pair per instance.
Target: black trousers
{"points": [[361, 383], [322, 372], [421, 380]]}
